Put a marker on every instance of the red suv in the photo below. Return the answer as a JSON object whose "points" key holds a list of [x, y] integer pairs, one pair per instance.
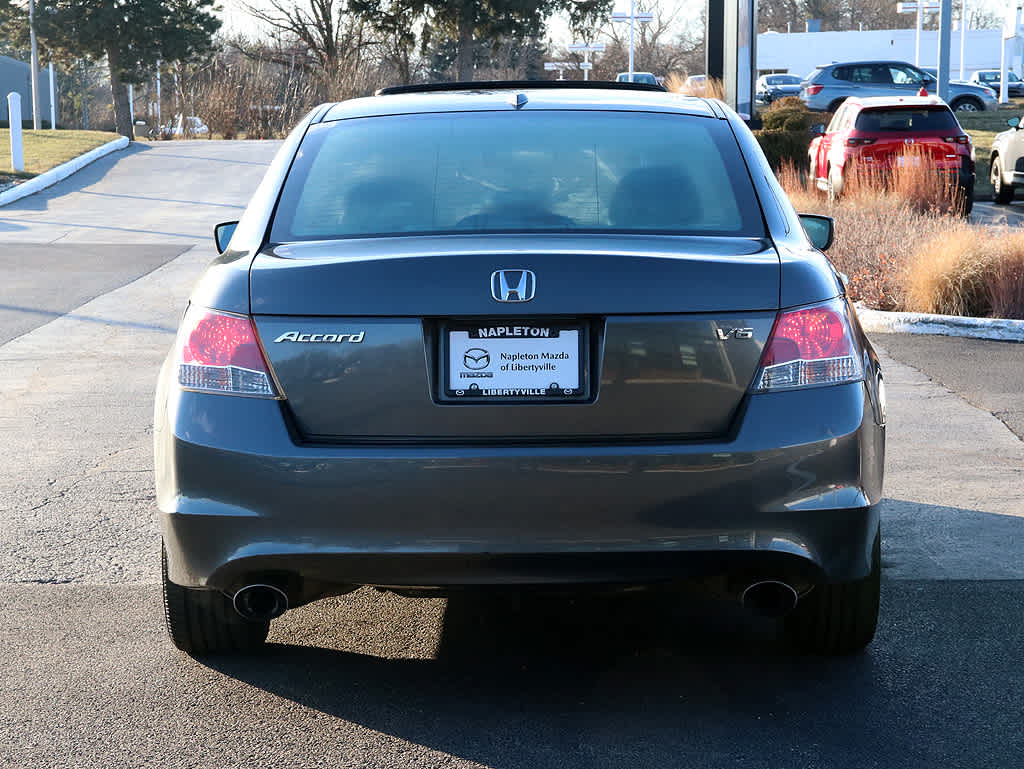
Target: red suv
{"points": [[876, 133]]}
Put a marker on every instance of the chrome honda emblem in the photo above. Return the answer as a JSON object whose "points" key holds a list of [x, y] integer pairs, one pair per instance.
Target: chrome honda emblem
{"points": [[513, 285], [908, 141]]}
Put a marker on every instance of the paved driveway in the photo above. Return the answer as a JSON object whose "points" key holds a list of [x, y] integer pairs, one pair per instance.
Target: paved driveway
{"points": [[1011, 215], [375, 680]]}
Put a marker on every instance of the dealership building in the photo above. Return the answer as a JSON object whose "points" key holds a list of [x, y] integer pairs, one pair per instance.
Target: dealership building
{"points": [[800, 52], [17, 76]]}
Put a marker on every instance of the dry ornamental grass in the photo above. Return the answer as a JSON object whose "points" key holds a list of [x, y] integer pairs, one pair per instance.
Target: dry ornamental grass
{"points": [[904, 246]]}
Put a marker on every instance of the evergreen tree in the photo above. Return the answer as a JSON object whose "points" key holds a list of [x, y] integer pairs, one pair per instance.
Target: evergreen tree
{"points": [[132, 35]]}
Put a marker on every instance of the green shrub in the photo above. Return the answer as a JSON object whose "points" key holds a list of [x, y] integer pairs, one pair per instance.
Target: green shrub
{"points": [[780, 146], [788, 114]]}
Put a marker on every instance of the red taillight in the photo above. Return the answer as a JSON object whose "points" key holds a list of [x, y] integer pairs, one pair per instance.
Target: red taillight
{"points": [[957, 139], [814, 90], [220, 353], [858, 141], [809, 347]]}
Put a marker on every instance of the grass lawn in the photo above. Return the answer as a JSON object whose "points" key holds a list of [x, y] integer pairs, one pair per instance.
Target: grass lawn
{"points": [[45, 149], [982, 128]]}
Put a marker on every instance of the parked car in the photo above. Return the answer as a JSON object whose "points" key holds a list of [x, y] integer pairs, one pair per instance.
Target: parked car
{"points": [[1006, 166], [772, 87], [185, 125], [875, 132], [933, 73], [829, 84], [990, 79], [638, 77], [465, 336]]}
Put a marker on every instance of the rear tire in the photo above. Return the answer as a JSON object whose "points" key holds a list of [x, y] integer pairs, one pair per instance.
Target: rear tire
{"points": [[835, 184], [834, 106], [202, 622], [967, 204], [840, 618], [1003, 192]]}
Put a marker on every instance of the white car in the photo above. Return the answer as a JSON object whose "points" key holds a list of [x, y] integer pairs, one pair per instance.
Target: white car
{"points": [[189, 124], [638, 77]]}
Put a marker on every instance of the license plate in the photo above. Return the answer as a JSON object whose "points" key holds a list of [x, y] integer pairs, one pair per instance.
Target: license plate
{"points": [[912, 161], [520, 361]]}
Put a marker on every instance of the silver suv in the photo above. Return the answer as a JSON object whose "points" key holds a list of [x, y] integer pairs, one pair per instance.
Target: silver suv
{"points": [[830, 84]]}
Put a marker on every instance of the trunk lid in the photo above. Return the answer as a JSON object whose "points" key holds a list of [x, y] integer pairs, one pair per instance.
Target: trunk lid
{"points": [[889, 151], [361, 335]]}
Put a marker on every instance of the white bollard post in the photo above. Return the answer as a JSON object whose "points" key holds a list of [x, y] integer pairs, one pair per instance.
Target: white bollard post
{"points": [[14, 113]]}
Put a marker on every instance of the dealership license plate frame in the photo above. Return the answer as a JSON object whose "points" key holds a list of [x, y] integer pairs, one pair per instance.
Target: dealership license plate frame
{"points": [[450, 395]]}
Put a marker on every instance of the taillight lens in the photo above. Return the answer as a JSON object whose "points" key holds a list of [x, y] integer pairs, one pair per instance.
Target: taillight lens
{"points": [[814, 90], [859, 141], [809, 347], [957, 139], [219, 353]]}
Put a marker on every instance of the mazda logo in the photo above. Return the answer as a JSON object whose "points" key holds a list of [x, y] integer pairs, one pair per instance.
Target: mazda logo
{"points": [[476, 358]]}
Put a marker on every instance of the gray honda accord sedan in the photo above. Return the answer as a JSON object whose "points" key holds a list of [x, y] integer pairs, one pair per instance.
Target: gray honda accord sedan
{"points": [[535, 335]]}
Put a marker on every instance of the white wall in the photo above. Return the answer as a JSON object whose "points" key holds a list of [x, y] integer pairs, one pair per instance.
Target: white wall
{"points": [[801, 52]]}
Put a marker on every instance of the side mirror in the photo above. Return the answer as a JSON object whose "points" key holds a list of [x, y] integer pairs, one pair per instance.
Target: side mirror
{"points": [[927, 81], [818, 129], [1013, 122], [820, 230], [222, 235]]}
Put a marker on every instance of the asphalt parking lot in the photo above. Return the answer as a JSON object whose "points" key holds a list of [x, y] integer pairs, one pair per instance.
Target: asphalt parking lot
{"points": [[505, 680], [1011, 215]]}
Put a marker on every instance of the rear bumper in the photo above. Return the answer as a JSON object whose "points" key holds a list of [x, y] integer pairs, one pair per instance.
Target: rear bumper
{"points": [[793, 490]]}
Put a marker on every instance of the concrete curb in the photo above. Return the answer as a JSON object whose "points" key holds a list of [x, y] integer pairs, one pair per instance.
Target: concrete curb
{"points": [[58, 173], [1000, 329]]}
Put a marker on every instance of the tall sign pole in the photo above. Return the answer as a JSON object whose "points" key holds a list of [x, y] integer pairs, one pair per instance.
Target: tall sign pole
{"points": [[963, 34], [1010, 23], [945, 32], [560, 66], [34, 63], [920, 7], [632, 17], [587, 49]]}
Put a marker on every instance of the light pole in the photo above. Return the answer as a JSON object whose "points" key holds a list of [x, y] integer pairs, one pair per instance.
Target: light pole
{"points": [[587, 49], [34, 63], [963, 34], [925, 6], [632, 17], [53, 98]]}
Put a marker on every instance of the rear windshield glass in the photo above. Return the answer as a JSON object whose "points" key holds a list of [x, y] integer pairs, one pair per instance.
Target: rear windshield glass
{"points": [[515, 171], [782, 80], [938, 119]]}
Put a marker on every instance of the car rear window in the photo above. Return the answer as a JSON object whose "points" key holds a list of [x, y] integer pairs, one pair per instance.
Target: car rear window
{"points": [[517, 171], [907, 119]]}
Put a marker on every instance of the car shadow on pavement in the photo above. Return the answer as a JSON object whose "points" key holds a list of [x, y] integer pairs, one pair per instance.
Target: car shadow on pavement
{"points": [[521, 681]]}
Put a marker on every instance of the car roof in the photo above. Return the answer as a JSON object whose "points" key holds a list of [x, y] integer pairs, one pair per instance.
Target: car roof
{"points": [[867, 61], [875, 102], [489, 97]]}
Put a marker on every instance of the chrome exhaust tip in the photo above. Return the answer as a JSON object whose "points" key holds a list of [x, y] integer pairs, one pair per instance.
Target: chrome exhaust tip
{"points": [[260, 603], [770, 598]]}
